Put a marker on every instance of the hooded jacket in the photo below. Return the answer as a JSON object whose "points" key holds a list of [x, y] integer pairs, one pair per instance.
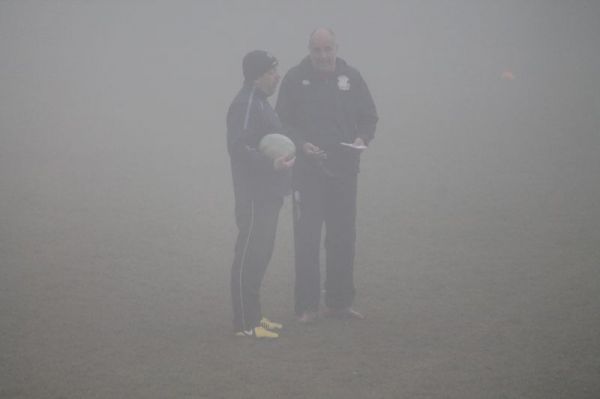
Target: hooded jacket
{"points": [[327, 109]]}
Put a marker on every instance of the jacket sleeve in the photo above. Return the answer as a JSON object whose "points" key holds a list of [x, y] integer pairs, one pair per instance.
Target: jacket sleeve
{"points": [[240, 139], [367, 118], [285, 108]]}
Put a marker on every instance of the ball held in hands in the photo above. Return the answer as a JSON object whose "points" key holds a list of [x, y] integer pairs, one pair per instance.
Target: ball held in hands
{"points": [[277, 145]]}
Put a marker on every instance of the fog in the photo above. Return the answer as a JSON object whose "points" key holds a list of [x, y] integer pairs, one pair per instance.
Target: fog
{"points": [[116, 205]]}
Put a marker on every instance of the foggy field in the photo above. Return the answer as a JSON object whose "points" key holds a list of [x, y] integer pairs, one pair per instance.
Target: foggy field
{"points": [[478, 252]]}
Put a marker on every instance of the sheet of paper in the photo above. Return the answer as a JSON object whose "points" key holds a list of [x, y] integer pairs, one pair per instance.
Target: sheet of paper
{"points": [[356, 147]]}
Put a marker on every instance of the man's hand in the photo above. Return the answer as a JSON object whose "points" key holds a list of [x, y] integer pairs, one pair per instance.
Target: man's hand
{"points": [[285, 162], [313, 151]]}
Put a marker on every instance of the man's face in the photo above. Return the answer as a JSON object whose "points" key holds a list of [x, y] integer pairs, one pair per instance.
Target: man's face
{"points": [[323, 51], [268, 81]]}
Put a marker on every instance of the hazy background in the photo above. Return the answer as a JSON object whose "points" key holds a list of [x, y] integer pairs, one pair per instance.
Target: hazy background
{"points": [[479, 199]]}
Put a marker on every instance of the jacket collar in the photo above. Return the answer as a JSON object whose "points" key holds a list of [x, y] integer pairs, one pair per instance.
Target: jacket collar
{"points": [[307, 67]]}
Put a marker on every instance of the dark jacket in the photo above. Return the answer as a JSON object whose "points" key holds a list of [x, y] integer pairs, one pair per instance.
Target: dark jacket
{"points": [[249, 118], [327, 109]]}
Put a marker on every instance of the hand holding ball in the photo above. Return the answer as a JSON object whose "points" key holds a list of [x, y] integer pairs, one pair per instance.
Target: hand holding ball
{"points": [[280, 149]]}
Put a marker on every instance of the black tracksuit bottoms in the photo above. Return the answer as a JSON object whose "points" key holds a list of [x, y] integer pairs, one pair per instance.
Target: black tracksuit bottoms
{"points": [[257, 224], [331, 201]]}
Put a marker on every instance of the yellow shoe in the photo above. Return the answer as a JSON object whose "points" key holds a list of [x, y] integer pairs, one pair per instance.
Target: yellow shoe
{"points": [[257, 332], [261, 332], [270, 325]]}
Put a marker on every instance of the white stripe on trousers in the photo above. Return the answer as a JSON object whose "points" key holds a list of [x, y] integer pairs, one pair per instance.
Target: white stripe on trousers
{"points": [[242, 261]]}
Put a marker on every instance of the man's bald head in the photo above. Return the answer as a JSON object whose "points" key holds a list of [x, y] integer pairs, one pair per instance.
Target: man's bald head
{"points": [[322, 49], [320, 34]]}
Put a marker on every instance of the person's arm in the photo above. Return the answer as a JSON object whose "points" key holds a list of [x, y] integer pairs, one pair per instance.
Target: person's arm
{"points": [[239, 138], [367, 113], [286, 108]]}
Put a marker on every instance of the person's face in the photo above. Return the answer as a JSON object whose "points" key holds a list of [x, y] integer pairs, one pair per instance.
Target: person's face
{"points": [[323, 51], [268, 81]]}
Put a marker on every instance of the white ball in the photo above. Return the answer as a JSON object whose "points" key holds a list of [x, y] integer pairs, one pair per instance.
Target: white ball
{"points": [[276, 145]]}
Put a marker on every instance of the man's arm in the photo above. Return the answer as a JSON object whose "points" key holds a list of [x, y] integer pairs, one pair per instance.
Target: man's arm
{"points": [[239, 134], [286, 108], [367, 113]]}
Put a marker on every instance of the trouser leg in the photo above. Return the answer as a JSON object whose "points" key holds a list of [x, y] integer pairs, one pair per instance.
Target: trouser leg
{"points": [[307, 240], [257, 223], [340, 238]]}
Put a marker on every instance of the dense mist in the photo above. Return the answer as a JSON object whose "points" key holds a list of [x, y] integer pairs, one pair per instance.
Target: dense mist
{"points": [[479, 199]]}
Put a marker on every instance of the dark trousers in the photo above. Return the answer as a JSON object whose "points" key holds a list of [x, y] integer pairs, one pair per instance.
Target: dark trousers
{"points": [[330, 201], [257, 224]]}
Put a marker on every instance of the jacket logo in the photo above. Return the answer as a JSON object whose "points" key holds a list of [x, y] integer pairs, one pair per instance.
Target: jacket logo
{"points": [[343, 83], [305, 82]]}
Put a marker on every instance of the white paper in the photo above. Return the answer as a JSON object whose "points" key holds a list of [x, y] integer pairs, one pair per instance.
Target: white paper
{"points": [[356, 147]]}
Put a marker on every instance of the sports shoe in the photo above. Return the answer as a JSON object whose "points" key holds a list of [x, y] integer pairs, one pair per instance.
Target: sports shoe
{"points": [[257, 332], [270, 325], [344, 313]]}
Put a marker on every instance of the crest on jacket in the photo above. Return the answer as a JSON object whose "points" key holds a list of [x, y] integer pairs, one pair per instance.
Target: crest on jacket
{"points": [[343, 83]]}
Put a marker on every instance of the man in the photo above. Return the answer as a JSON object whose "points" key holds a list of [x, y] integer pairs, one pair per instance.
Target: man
{"points": [[259, 185], [331, 117]]}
